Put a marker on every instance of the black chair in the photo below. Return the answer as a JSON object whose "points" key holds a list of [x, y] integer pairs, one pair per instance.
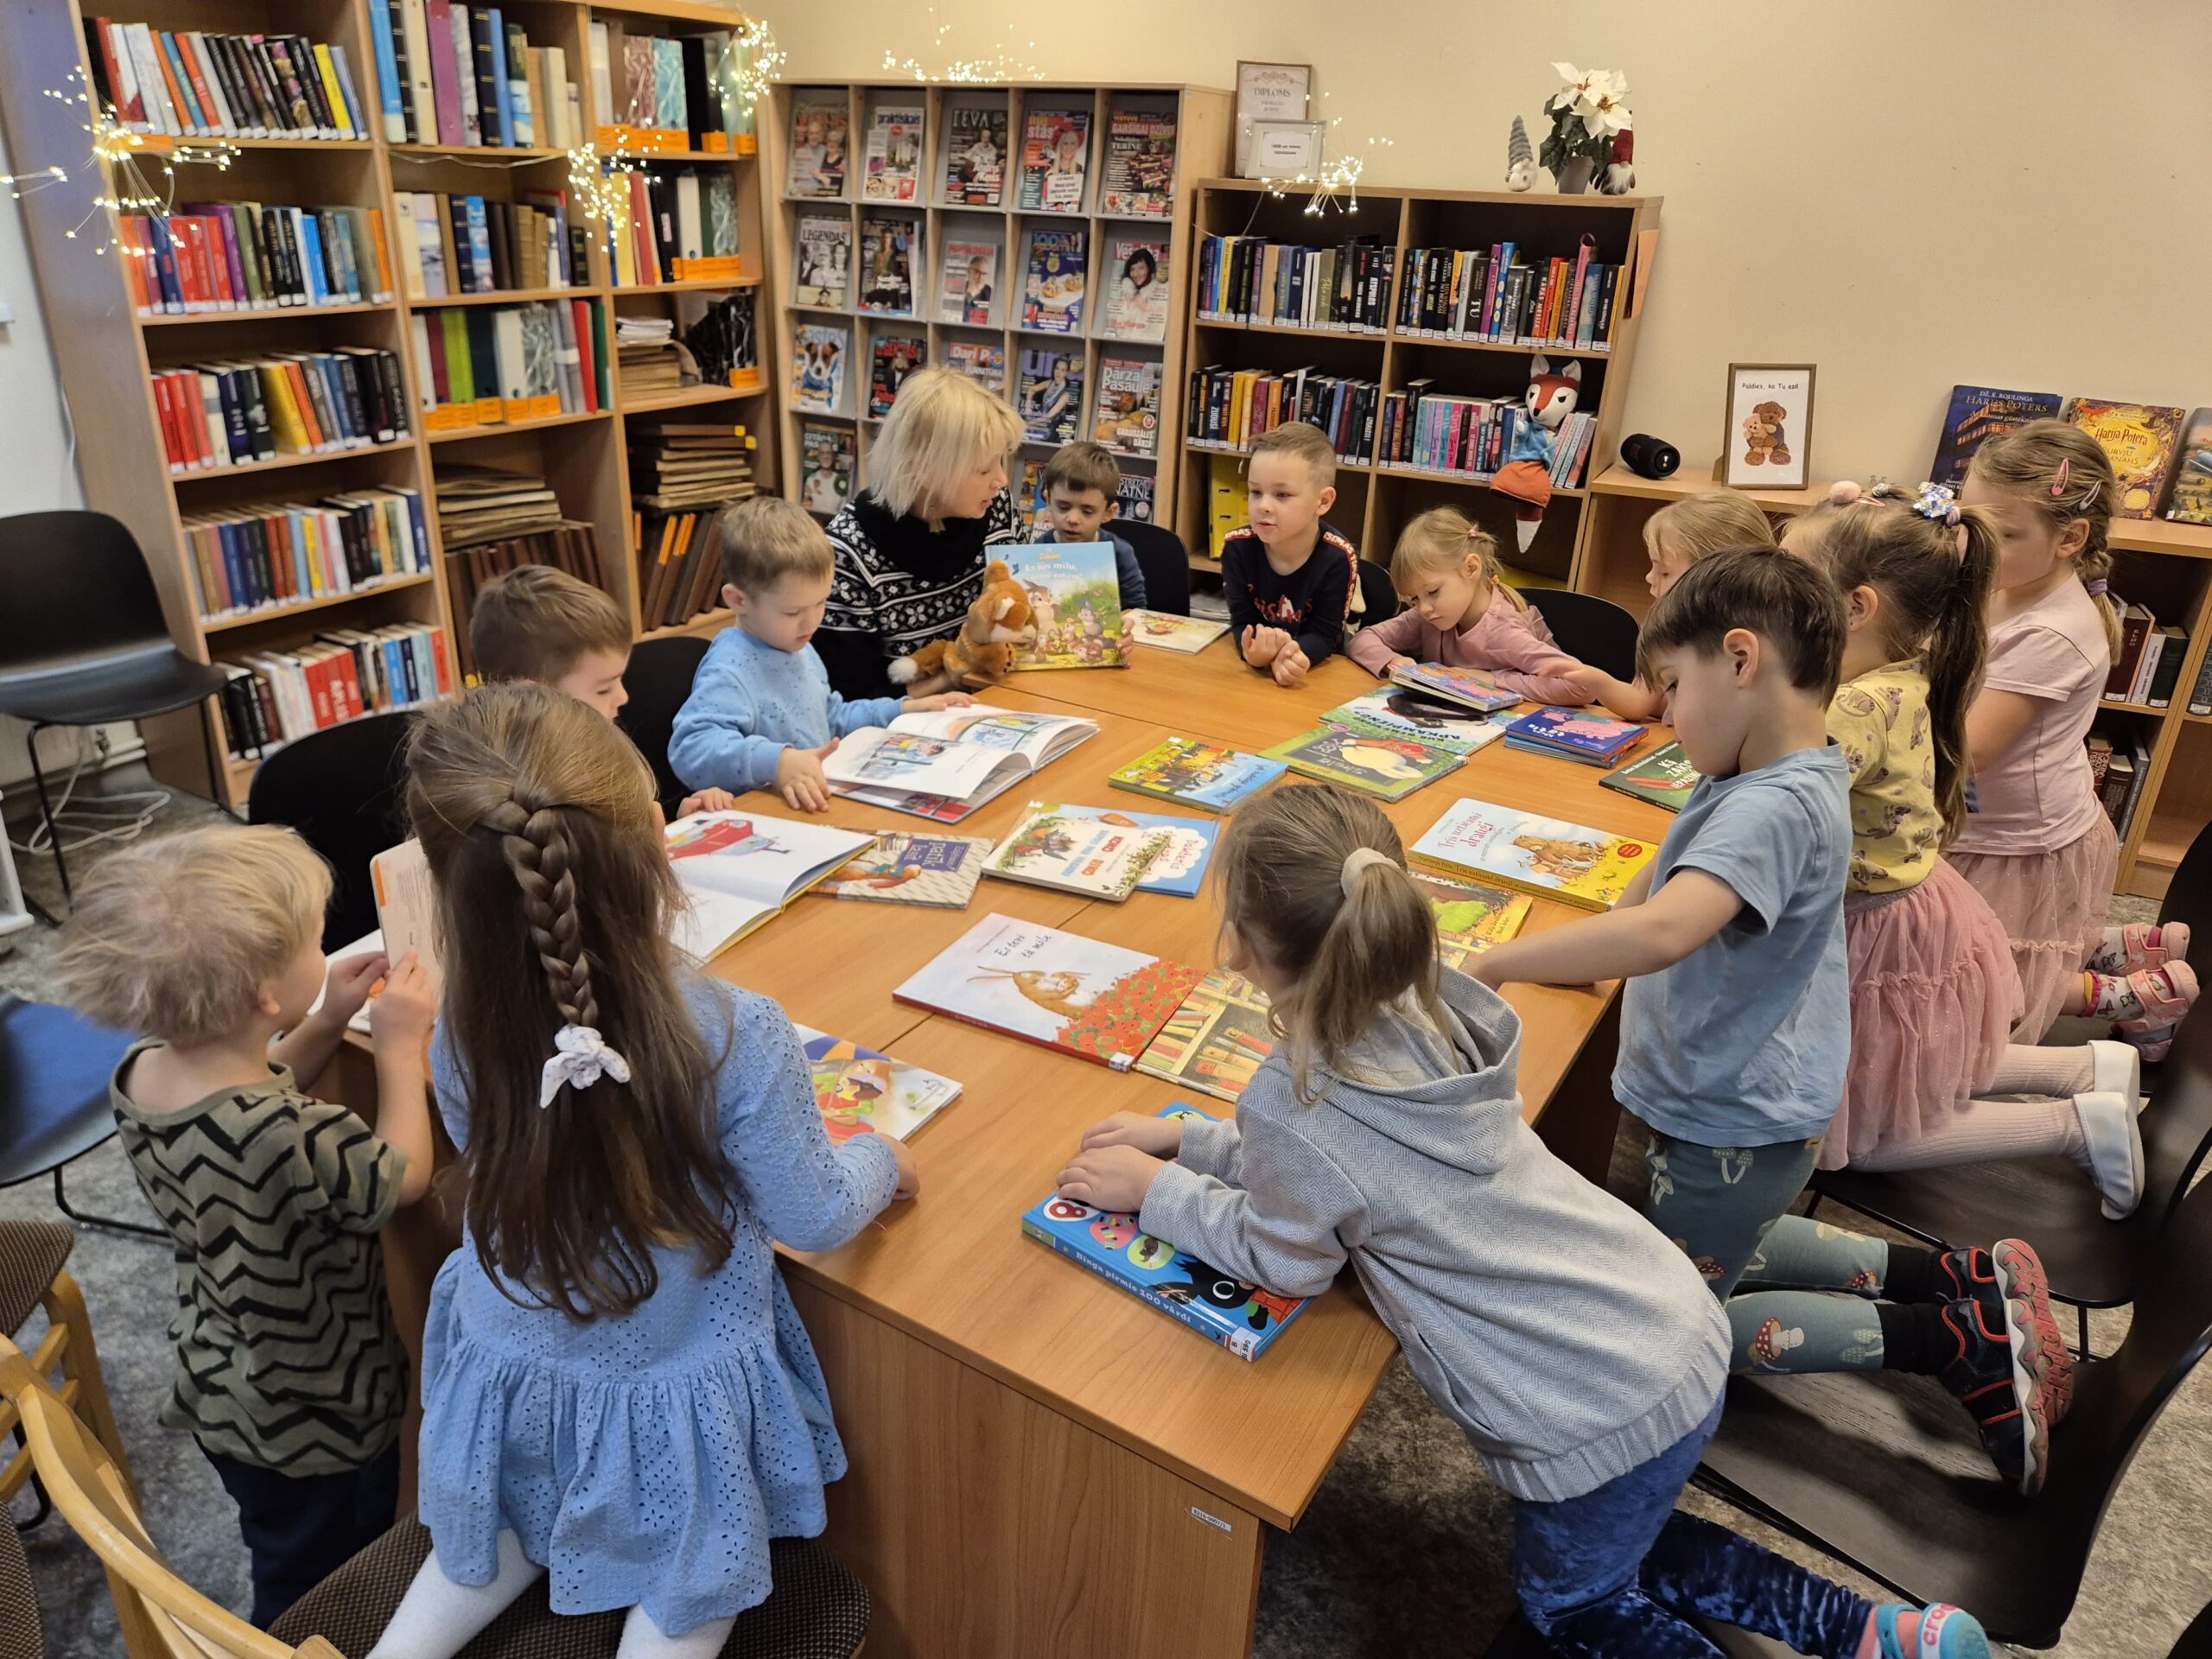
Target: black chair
{"points": [[2189, 896], [658, 680], [1884, 1472], [339, 788], [1596, 630], [82, 641], [54, 1068], [1377, 597], [1166, 563]]}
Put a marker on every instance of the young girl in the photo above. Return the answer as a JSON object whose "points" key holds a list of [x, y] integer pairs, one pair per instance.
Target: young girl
{"points": [[1460, 611], [1582, 1356], [616, 1387], [2037, 845]]}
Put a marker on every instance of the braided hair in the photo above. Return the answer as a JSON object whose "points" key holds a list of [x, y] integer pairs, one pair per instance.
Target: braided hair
{"points": [[538, 821]]}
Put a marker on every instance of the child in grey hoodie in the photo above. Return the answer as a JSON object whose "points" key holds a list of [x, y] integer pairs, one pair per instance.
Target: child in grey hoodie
{"points": [[1581, 1354]]}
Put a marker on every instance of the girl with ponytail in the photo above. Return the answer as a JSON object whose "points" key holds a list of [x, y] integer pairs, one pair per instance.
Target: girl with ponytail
{"points": [[616, 1387]]}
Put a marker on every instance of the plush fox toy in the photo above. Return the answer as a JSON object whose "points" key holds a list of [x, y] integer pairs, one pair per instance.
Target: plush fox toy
{"points": [[983, 651], [1527, 474]]}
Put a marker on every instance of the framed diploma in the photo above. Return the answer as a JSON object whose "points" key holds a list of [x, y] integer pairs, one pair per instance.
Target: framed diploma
{"points": [[1268, 92]]}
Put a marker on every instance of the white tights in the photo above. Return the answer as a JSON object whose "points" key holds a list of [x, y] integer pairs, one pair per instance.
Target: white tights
{"points": [[1986, 1129]]}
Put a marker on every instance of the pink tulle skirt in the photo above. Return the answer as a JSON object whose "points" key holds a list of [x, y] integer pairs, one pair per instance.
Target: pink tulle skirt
{"points": [[1933, 997], [2052, 905]]}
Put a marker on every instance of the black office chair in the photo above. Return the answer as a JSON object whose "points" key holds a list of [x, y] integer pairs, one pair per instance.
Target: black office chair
{"points": [[658, 680], [1166, 563], [1595, 631], [54, 1068], [340, 789], [82, 641], [1378, 598]]}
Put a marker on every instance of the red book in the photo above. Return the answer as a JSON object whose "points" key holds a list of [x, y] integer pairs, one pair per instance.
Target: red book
{"points": [[445, 76], [130, 230], [1574, 295], [187, 52], [438, 655], [318, 685], [165, 407], [112, 51], [581, 310]]}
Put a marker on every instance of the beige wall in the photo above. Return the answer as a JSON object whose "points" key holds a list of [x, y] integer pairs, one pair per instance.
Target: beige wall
{"points": [[1908, 193]]}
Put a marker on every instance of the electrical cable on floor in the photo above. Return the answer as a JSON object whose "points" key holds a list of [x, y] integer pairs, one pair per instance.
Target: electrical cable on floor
{"points": [[118, 817]]}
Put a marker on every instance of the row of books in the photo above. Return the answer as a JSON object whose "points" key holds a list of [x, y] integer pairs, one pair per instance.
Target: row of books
{"points": [[2117, 771], [565, 545], [2149, 663], [682, 475], [1234, 406], [237, 411], [682, 226], [1055, 165], [1473, 294], [694, 86], [1446, 432], [456, 244], [241, 256], [492, 365], [273, 696], [190, 84], [265, 557], [456, 75], [2161, 456], [1252, 279]]}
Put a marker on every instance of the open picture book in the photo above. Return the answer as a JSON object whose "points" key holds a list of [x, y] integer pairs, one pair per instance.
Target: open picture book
{"points": [[931, 764], [859, 1091], [738, 869], [1162, 631]]}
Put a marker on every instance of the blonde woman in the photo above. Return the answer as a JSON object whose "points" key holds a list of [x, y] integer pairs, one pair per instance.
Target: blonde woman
{"points": [[910, 546]]}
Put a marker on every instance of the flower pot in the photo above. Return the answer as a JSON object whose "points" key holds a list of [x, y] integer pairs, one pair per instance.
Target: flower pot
{"points": [[1574, 178]]}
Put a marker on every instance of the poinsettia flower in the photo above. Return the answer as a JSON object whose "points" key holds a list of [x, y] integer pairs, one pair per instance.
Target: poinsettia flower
{"points": [[1577, 85], [1606, 114]]}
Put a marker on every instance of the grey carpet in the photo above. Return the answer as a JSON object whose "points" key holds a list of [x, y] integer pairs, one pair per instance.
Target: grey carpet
{"points": [[1404, 1552]]}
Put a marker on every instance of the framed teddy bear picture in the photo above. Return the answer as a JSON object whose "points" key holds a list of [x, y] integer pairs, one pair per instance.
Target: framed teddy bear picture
{"points": [[1768, 442]]}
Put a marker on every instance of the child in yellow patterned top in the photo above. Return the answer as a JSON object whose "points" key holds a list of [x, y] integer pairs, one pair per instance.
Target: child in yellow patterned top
{"points": [[1881, 720]]}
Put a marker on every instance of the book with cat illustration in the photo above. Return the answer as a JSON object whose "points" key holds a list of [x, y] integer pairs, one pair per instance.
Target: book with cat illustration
{"points": [[1479, 841], [1180, 866], [859, 1091], [1664, 778], [1217, 1040], [1389, 712], [1095, 857], [1390, 768], [965, 755], [1595, 740], [1192, 773], [1472, 688], [938, 872]]}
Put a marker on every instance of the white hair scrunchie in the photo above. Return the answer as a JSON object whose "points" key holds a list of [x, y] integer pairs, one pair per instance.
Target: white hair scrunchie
{"points": [[580, 1058], [1357, 860]]}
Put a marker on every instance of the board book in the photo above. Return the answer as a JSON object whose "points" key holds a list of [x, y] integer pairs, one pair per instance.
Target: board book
{"points": [[1097, 857], [1475, 840], [738, 869], [859, 1091], [1472, 688], [966, 755], [1242, 1318], [1664, 778], [1180, 866], [1574, 734], [1192, 773], [1185, 634], [1075, 605], [901, 867], [1217, 1041], [1390, 768], [1389, 712], [1083, 996]]}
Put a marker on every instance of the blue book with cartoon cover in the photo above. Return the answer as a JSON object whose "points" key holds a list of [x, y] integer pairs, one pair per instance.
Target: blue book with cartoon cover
{"points": [[1595, 740], [1242, 1318]]}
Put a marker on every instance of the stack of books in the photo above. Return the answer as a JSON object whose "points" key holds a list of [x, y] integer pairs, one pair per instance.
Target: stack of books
{"points": [[276, 695], [192, 84], [646, 357], [466, 75], [451, 244], [1594, 739], [236, 412], [266, 557], [481, 504], [688, 465], [242, 256]]}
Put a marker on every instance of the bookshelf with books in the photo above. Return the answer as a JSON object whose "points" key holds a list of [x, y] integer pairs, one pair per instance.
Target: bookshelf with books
{"points": [[1087, 188], [305, 311]]}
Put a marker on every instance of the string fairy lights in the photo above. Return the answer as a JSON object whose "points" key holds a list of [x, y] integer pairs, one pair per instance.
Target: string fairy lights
{"points": [[1336, 184], [125, 155], [1000, 65], [758, 62], [601, 185]]}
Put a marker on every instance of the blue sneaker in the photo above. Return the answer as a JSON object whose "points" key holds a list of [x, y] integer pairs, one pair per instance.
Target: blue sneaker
{"points": [[1944, 1632], [1994, 1375]]}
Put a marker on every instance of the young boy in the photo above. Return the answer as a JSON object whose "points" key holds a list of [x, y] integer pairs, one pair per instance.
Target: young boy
{"points": [[289, 1372], [1081, 484], [1288, 577], [761, 714], [538, 624]]}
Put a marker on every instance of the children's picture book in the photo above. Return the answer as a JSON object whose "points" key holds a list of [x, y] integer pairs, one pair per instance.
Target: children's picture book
{"points": [[1192, 773], [738, 869], [817, 163], [1977, 413], [1472, 688], [967, 291], [975, 158], [1126, 417], [1051, 396], [1057, 267], [1388, 712], [1075, 605], [2191, 502], [1180, 865], [1092, 856], [1187, 635], [1242, 1318], [901, 867], [1217, 1040], [893, 358], [1136, 290], [888, 247], [965, 754], [825, 275], [1390, 768], [1595, 740], [1571, 863], [1055, 156], [1664, 778], [1469, 918], [826, 463], [895, 152], [982, 362], [818, 369], [1080, 996], [2140, 441], [1140, 170], [859, 1091]]}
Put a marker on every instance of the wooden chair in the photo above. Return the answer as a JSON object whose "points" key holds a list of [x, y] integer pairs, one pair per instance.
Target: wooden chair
{"points": [[658, 679], [31, 1277]]}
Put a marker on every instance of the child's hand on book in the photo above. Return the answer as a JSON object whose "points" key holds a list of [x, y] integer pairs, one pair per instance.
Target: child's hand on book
{"points": [[1160, 1137], [707, 800], [942, 699], [1290, 665], [350, 982], [1113, 1178], [1395, 664], [1261, 646], [799, 780], [405, 1007]]}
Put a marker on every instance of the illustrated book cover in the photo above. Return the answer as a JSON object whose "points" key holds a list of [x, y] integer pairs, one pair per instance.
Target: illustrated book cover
{"points": [[1186, 635], [1389, 712], [2140, 440], [1217, 1041], [1474, 688], [949, 754], [1075, 605], [1664, 778], [1479, 841], [903, 867], [859, 1091], [1093, 856], [1390, 768], [1180, 866], [1595, 740], [1977, 413], [738, 869], [1192, 773]]}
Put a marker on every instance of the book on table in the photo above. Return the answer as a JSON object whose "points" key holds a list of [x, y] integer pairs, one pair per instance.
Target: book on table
{"points": [[950, 757], [1243, 1317], [1470, 917], [899, 868], [1097, 857], [738, 869], [1179, 867], [1472, 688], [1664, 778], [859, 1091], [1390, 768], [1192, 773], [1217, 1040], [1075, 605], [1574, 734], [1082, 996], [1479, 841], [1387, 711], [1184, 634]]}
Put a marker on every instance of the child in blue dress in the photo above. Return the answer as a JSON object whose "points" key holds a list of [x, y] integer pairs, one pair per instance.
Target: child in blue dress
{"points": [[617, 1390]]}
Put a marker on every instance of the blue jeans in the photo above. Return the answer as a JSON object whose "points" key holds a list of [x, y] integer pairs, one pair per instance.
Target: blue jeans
{"points": [[1619, 1570]]}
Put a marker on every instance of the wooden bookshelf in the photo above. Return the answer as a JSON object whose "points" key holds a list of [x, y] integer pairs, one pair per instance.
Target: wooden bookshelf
{"points": [[1203, 127], [107, 352], [1375, 502]]}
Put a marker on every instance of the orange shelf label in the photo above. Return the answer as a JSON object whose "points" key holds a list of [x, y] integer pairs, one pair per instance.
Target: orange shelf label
{"points": [[451, 417], [545, 408], [724, 268], [489, 411]]}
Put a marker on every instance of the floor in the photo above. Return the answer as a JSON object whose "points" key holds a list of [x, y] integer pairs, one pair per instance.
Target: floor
{"points": [[1404, 1552]]}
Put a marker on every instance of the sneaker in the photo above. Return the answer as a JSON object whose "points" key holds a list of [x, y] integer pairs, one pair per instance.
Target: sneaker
{"points": [[2115, 1151], [1992, 1377], [2011, 1271], [2117, 1069], [2164, 994], [1942, 1632], [2140, 945]]}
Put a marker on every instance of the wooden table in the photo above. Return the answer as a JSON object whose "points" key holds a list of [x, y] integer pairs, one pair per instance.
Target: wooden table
{"points": [[1041, 1465]]}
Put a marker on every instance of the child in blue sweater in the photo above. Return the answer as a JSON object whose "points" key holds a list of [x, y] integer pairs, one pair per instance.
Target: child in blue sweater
{"points": [[761, 714]]}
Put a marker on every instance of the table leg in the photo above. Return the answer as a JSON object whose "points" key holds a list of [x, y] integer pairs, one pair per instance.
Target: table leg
{"points": [[985, 1523], [1580, 1121]]}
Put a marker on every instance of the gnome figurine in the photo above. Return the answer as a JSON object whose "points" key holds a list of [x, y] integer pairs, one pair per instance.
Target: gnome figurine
{"points": [[1619, 177], [1520, 160]]}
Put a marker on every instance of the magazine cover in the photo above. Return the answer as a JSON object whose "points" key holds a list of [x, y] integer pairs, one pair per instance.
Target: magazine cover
{"points": [[2140, 439], [1136, 290], [1055, 154], [1139, 180], [1184, 634], [939, 872], [859, 1091], [1029, 502], [818, 133], [1475, 688], [1097, 857], [893, 358], [1389, 712], [819, 373], [894, 153], [975, 158], [888, 246], [1664, 778], [1180, 866], [1192, 773], [1052, 289], [1127, 418], [979, 360], [1469, 918], [1217, 1040], [1081, 995], [825, 468], [1133, 500], [1977, 413], [1051, 396], [1568, 861], [1075, 605], [968, 292], [1390, 768], [825, 275]]}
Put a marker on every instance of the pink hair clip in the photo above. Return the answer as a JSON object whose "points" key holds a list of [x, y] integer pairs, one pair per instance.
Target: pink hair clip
{"points": [[1843, 493], [2065, 474]]}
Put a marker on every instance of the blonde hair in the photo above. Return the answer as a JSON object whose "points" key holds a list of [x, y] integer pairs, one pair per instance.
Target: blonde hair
{"points": [[943, 426], [176, 936], [1307, 442], [1350, 954], [1706, 523], [532, 623], [2064, 474], [766, 539], [1441, 539]]}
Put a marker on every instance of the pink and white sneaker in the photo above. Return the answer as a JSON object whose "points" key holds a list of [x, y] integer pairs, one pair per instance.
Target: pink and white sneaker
{"points": [[2166, 994], [2140, 944]]}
